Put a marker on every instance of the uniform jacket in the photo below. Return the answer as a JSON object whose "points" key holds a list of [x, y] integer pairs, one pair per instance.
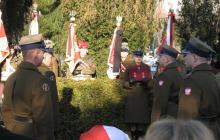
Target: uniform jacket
{"points": [[166, 89], [200, 98], [199, 95], [27, 105], [53, 86]]}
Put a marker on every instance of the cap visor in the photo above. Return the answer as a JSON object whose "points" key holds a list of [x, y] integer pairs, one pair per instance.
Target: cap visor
{"points": [[44, 50]]}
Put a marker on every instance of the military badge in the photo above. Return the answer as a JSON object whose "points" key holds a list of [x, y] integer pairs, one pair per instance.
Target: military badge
{"points": [[187, 91], [45, 87], [161, 82]]}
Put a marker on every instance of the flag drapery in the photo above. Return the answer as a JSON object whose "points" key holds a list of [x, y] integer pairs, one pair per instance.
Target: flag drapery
{"points": [[34, 27], [169, 36], [115, 49], [112, 46], [4, 48], [170, 29], [161, 45], [114, 58], [103, 132], [72, 49]]}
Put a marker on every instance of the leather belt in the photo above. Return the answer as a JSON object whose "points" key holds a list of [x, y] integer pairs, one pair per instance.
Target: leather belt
{"points": [[27, 119], [138, 84]]}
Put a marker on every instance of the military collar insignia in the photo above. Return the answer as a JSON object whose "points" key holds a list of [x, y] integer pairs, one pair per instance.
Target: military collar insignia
{"points": [[161, 82], [45, 87], [188, 91]]}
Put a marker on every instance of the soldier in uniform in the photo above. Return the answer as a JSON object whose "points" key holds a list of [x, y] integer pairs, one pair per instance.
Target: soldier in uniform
{"points": [[45, 70], [199, 96], [137, 111], [85, 67], [167, 85], [55, 65], [27, 104]]}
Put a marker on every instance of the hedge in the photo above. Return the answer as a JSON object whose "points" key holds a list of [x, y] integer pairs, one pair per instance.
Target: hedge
{"points": [[86, 103]]}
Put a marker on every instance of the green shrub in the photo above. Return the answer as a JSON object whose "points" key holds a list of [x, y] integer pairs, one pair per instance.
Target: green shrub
{"points": [[86, 103]]}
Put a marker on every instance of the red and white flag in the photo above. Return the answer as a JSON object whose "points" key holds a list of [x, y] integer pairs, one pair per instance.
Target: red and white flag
{"points": [[72, 49], [114, 58], [4, 48], [104, 132], [170, 29], [34, 27], [111, 52], [169, 36]]}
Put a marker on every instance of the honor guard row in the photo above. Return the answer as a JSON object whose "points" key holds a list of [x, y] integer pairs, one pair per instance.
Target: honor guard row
{"points": [[192, 96]]}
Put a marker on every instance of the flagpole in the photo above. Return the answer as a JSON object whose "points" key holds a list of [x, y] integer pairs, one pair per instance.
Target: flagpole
{"points": [[172, 15]]}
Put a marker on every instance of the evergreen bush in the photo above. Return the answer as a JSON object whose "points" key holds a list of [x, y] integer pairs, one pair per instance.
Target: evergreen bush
{"points": [[86, 103]]}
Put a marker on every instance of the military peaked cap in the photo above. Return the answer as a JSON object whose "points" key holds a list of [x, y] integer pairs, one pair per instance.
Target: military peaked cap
{"points": [[169, 51], [138, 52], [124, 47], [49, 43], [49, 46], [32, 42], [198, 47]]}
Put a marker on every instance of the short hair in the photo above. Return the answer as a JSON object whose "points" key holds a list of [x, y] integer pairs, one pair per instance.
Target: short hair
{"points": [[27, 54], [171, 129]]}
